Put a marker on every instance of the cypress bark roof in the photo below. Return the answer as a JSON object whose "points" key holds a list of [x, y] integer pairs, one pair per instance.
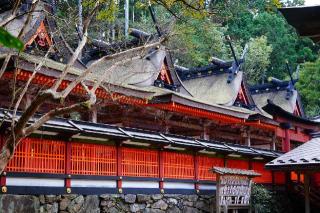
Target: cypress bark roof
{"points": [[215, 89]]}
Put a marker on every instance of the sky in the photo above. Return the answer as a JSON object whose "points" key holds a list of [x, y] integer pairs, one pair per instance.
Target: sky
{"points": [[312, 2]]}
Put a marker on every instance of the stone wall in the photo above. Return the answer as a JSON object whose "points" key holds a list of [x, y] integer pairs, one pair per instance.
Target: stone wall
{"points": [[108, 203]]}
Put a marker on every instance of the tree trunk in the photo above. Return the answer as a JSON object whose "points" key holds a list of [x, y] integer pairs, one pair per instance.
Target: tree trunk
{"points": [[126, 22], [7, 151]]}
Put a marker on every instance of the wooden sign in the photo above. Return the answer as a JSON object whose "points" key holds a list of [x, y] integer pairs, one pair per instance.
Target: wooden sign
{"points": [[234, 190]]}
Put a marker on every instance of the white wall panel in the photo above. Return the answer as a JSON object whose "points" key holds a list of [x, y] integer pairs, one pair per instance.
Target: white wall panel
{"points": [[26, 181], [93, 183], [178, 185], [140, 184]]}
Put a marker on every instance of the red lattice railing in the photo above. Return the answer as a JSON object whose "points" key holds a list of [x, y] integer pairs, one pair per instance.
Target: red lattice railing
{"points": [[93, 159], [140, 162], [178, 165], [206, 164], [38, 156]]}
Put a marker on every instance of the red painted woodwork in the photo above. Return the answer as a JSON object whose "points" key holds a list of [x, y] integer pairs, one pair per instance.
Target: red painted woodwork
{"points": [[316, 179], [161, 169], [93, 159], [294, 176], [41, 36], [38, 156], [206, 164], [41, 79], [279, 178], [140, 162], [67, 181], [242, 96], [164, 74], [286, 141], [266, 175], [178, 165], [119, 165], [295, 136], [237, 164]]}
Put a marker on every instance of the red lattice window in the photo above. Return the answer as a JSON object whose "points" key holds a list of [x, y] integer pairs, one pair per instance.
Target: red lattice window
{"points": [[93, 159], [38, 156], [266, 175], [140, 163], [279, 178], [178, 165], [205, 164], [237, 164]]}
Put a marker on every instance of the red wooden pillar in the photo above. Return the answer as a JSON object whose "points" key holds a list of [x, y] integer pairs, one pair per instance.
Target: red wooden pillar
{"points": [[196, 172], [68, 167], [286, 141], [119, 167], [161, 170]]}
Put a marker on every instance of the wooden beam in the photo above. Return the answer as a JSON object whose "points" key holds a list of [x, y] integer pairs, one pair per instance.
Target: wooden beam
{"points": [[307, 192]]}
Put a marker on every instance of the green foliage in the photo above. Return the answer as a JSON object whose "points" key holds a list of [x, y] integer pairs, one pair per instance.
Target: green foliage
{"points": [[195, 42], [258, 59], [261, 199], [287, 46], [8, 40], [309, 87]]}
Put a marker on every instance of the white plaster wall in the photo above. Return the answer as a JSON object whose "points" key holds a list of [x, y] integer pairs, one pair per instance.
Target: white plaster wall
{"points": [[93, 183], [140, 184], [178, 185], [26, 181]]}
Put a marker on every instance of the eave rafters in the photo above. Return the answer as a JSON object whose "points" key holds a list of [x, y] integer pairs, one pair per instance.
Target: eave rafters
{"points": [[41, 79]]}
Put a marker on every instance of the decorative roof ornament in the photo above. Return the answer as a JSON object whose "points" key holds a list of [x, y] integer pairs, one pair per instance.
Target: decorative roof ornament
{"points": [[236, 64], [292, 82]]}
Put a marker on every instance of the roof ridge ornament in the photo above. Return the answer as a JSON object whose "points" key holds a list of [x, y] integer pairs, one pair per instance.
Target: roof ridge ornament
{"points": [[236, 64]]}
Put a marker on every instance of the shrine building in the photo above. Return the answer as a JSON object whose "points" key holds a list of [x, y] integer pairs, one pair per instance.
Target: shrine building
{"points": [[157, 128]]}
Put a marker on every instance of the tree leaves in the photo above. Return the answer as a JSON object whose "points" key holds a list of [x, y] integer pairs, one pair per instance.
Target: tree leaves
{"points": [[8, 40]]}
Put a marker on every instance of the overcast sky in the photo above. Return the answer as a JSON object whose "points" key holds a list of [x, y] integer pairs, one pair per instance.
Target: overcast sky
{"points": [[312, 2]]}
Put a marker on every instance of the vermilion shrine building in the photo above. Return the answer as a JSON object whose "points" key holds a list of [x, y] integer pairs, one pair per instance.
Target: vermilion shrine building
{"points": [[157, 127]]}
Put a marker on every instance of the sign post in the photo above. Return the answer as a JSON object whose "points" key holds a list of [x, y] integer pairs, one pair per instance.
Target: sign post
{"points": [[233, 189]]}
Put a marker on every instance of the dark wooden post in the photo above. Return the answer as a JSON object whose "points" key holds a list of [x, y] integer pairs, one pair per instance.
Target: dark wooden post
{"points": [[161, 170], [68, 167], [119, 167], [196, 172], [307, 192]]}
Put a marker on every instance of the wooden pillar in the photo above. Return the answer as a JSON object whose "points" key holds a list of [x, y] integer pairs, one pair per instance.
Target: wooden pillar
{"points": [[119, 167], [273, 143], [94, 115], [68, 167], [307, 192], [196, 172], [161, 170], [286, 141], [205, 133], [248, 138]]}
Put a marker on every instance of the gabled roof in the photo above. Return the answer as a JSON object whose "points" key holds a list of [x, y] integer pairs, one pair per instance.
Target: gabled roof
{"points": [[278, 92], [43, 14], [230, 171], [215, 89], [304, 157]]}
